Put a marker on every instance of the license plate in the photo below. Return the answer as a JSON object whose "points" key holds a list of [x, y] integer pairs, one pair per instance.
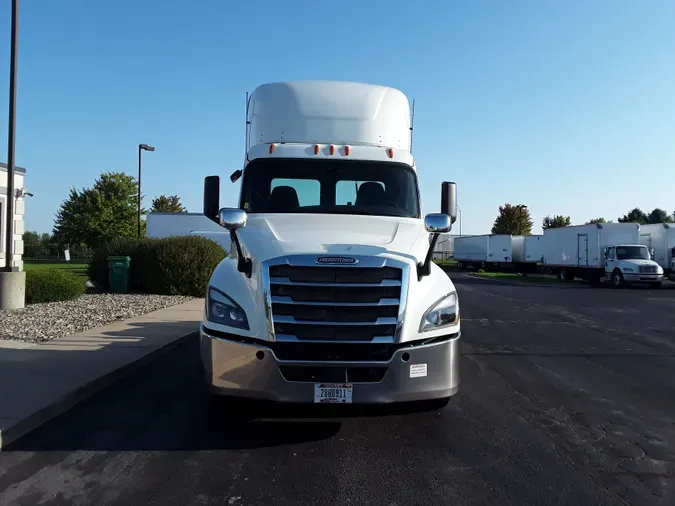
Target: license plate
{"points": [[333, 393]]}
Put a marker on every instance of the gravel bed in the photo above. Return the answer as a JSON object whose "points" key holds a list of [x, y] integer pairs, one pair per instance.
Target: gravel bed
{"points": [[42, 322]]}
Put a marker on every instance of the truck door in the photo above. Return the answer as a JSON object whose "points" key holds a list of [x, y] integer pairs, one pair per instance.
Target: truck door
{"points": [[582, 249]]}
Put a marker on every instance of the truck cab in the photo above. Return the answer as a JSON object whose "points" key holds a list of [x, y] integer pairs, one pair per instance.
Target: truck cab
{"points": [[329, 294], [632, 263]]}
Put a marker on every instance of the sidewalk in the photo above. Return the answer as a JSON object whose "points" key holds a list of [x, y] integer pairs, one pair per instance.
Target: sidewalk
{"points": [[41, 381]]}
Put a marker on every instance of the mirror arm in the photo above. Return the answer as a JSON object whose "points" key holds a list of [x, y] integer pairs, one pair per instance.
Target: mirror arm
{"points": [[425, 268], [243, 264]]}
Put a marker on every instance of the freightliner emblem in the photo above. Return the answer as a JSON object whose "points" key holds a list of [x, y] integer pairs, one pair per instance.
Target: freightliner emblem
{"points": [[336, 260]]}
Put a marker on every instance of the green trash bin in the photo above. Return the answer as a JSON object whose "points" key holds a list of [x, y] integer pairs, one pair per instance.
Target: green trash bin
{"points": [[119, 270]]}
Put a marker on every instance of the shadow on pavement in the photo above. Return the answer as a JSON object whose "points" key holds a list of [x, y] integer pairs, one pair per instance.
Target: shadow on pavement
{"points": [[165, 407]]}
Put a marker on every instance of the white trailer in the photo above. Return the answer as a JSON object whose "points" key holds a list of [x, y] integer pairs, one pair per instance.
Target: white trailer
{"points": [[488, 251], [161, 225], [602, 251], [660, 238], [533, 249]]}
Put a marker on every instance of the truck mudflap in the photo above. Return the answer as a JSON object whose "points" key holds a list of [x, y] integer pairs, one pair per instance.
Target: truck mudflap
{"points": [[350, 373]]}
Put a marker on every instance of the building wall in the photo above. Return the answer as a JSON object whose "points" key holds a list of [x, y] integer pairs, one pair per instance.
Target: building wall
{"points": [[19, 211]]}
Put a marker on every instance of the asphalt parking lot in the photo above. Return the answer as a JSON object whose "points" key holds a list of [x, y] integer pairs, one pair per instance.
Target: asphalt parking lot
{"points": [[567, 396]]}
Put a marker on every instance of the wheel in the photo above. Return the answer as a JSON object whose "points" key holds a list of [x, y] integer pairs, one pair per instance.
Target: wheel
{"points": [[617, 279], [655, 284], [566, 275]]}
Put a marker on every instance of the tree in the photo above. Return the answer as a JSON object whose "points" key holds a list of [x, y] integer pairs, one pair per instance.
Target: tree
{"points": [[31, 244], [659, 216], [170, 204], [557, 221], [95, 215], [634, 216], [513, 220], [597, 220]]}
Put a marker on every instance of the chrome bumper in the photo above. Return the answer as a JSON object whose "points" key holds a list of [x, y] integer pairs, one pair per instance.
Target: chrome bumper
{"points": [[253, 370], [642, 278]]}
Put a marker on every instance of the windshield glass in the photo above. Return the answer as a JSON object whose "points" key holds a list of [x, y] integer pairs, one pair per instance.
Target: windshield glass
{"points": [[331, 187], [632, 253]]}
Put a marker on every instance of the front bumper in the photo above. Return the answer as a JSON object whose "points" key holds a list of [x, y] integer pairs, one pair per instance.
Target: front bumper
{"points": [[236, 366], [642, 278]]}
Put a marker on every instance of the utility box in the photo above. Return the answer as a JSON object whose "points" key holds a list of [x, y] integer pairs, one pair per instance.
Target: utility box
{"points": [[119, 270]]}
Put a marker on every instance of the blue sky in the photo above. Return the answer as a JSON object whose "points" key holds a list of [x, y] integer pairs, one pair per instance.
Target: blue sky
{"points": [[567, 107]]}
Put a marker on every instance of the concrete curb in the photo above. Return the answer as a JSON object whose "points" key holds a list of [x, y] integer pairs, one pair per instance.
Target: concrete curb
{"points": [[64, 403]]}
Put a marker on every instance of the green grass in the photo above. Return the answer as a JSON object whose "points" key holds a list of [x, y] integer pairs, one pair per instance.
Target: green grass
{"points": [[512, 276], [446, 263], [80, 269]]}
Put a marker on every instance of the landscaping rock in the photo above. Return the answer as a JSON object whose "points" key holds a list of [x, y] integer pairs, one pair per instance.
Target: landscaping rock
{"points": [[42, 322]]}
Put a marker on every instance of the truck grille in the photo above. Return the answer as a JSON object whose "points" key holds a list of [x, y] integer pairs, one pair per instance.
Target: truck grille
{"points": [[648, 269], [335, 303]]}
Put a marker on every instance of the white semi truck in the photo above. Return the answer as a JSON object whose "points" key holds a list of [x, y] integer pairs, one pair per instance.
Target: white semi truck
{"points": [[329, 294], [660, 238], [600, 252]]}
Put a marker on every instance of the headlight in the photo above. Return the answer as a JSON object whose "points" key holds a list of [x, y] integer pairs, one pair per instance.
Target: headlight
{"points": [[442, 314], [627, 269], [223, 310]]}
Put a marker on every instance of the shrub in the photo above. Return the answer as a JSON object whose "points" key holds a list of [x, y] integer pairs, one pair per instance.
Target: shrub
{"points": [[169, 266], [137, 249], [182, 265], [53, 285]]}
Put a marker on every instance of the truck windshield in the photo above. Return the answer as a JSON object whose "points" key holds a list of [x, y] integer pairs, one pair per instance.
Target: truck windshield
{"points": [[632, 253], [284, 185]]}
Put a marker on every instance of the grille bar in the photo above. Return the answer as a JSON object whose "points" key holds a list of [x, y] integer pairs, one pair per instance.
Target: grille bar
{"points": [[288, 338], [382, 302], [293, 321], [286, 281]]}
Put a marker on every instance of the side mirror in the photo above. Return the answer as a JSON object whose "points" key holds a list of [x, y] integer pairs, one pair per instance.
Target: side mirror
{"points": [[449, 200], [438, 223], [232, 218], [212, 197]]}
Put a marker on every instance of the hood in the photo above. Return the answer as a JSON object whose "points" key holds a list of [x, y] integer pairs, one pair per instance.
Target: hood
{"points": [[273, 235], [637, 261]]}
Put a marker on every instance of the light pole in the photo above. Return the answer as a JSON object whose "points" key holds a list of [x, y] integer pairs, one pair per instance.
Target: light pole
{"points": [[12, 282], [141, 148], [459, 210]]}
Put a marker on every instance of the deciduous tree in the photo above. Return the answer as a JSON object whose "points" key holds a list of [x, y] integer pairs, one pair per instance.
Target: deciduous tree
{"points": [[557, 221], [597, 220], [659, 216], [513, 220], [634, 216], [170, 204], [95, 215]]}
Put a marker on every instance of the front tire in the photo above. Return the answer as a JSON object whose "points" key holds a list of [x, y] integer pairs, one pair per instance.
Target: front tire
{"points": [[617, 279]]}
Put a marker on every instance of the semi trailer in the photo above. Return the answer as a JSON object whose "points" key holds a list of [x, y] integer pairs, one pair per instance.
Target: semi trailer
{"points": [[330, 294], [600, 252]]}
